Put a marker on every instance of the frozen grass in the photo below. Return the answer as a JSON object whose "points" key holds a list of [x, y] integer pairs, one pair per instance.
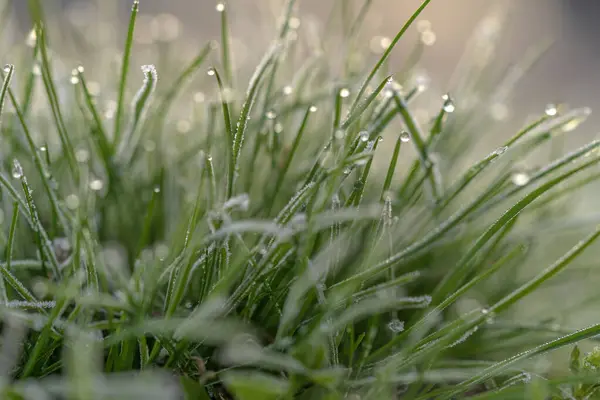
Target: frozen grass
{"points": [[265, 255]]}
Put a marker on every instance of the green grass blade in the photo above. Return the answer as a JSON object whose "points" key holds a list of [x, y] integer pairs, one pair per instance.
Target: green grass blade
{"points": [[123, 76]]}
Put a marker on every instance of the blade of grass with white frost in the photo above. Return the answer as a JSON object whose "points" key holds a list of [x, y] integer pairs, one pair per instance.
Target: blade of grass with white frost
{"points": [[139, 107], [54, 103], [123, 76], [286, 166], [417, 137], [9, 249], [99, 134], [38, 163], [242, 123]]}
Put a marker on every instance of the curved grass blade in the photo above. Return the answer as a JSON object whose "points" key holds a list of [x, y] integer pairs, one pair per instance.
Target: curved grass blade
{"points": [[391, 169], [139, 107], [124, 71], [242, 123]]}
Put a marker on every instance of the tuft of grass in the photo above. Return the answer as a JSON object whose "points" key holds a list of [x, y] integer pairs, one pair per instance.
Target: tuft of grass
{"points": [[311, 237]]}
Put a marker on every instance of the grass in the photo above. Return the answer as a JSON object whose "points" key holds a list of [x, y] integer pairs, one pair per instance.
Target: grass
{"points": [[311, 237]]}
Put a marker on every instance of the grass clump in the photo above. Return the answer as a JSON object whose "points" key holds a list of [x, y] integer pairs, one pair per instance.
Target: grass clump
{"points": [[277, 251]]}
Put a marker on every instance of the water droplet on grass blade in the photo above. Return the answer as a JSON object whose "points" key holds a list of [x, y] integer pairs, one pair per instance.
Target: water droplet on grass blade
{"points": [[313, 109], [551, 110], [96, 185], [500, 150], [211, 72], [220, 7], [449, 106], [404, 137], [287, 90], [74, 80], [7, 68], [344, 93], [271, 115], [520, 178], [364, 136], [17, 170], [396, 326]]}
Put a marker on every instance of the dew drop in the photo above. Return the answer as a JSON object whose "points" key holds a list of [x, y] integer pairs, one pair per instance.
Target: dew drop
{"points": [[278, 128], [17, 170], [74, 80], [551, 110], [405, 137], [396, 326], [80, 69], [313, 109], [340, 134], [271, 115], [43, 149], [520, 178], [449, 106], [156, 189], [364, 136], [220, 7], [287, 90], [211, 72], [385, 42], [500, 150], [37, 71], [96, 185], [344, 93]]}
